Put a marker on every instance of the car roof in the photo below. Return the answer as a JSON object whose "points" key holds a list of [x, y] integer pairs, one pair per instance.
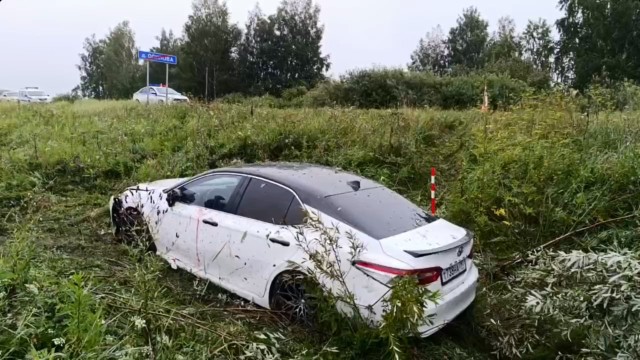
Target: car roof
{"points": [[309, 181], [349, 198]]}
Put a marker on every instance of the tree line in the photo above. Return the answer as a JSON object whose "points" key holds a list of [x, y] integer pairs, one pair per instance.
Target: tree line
{"points": [[215, 57], [597, 43]]}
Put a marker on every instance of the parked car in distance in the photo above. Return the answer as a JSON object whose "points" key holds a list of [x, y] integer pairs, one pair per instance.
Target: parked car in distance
{"points": [[239, 227], [33, 95], [9, 96], [158, 95]]}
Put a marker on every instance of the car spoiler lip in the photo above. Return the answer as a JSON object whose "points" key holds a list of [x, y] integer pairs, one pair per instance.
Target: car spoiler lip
{"points": [[422, 253]]}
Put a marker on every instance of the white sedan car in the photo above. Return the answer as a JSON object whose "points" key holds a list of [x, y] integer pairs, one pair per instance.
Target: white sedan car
{"points": [[158, 95], [9, 96], [239, 228]]}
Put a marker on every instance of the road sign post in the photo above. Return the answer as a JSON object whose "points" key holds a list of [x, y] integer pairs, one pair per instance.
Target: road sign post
{"points": [[148, 57], [147, 83]]}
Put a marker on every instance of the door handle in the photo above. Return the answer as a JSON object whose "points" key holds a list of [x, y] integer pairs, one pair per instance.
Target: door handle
{"points": [[279, 241], [210, 222]]}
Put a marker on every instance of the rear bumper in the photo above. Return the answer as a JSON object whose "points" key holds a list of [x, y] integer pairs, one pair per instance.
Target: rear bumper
{"points": [[451, 305]]}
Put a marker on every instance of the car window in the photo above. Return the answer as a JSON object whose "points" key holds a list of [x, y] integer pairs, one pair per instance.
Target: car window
{"points": [[211, 192], [378, 212], [271, 203], [142, 91]]}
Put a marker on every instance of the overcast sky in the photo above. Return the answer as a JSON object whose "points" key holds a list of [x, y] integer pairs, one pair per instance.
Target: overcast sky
{"points": [[40, 39]]}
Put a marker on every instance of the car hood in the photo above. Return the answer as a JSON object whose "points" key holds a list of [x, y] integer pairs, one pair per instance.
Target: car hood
{"points": [[159, 184]]}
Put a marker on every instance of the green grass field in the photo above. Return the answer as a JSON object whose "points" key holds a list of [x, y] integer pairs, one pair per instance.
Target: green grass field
{"points": [[518, 179]]}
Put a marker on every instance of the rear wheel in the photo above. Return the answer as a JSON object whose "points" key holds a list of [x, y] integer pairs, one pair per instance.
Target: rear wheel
{"points": [[290, 298]]}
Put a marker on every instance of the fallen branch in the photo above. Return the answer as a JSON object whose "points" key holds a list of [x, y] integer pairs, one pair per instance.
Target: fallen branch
{"points": [[519, 258], [180, 316]]}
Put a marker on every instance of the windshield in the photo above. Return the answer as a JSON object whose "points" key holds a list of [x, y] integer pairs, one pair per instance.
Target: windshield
{"points": [[163, 91], [378, 212], [36, 93]]}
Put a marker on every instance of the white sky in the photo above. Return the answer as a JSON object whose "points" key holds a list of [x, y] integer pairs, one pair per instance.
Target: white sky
{"points": [[40, 40]]}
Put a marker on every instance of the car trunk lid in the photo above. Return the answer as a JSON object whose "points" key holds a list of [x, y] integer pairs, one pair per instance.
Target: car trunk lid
{"points": [[439, 244]]}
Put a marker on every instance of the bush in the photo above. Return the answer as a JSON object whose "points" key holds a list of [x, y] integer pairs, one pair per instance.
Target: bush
{"points": [[392, 88], [69, 97], [294, 93], [589, 306], [233, 98]]}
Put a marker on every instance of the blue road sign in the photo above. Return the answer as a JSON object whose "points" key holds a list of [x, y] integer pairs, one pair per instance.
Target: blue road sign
{"points": [[160, 58]]}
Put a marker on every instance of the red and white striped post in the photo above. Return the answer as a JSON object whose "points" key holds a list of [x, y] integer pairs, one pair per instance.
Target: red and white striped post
{"points": [[433, 191]]}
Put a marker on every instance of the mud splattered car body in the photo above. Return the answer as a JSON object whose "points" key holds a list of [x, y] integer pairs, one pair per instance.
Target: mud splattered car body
{"points": [[240, 228]]}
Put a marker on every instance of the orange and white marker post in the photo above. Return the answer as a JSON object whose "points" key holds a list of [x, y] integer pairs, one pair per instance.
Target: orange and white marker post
{"points": [[433, 191]]}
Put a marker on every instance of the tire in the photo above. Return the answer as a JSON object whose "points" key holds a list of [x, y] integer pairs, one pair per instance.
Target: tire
{"points": [[288, 297], [131, 228]]}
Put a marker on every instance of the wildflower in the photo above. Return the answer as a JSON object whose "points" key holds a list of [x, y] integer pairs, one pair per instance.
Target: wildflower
{"points": [[58, 341], [138, 322], [32, 288]]}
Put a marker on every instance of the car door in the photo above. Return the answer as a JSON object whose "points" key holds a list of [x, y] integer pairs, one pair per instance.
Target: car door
{"points": [[261, 237], [153, 95], [183, 228]]}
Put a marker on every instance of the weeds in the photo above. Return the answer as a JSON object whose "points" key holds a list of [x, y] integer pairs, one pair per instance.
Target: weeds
{"points": [[518, 179]]}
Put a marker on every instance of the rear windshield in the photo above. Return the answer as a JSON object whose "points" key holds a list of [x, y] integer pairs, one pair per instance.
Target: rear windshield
{"points": [[378, 212], [35, 93]]}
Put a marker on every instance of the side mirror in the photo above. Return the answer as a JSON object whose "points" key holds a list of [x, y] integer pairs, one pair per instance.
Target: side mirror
{"points": [[173, 196]]}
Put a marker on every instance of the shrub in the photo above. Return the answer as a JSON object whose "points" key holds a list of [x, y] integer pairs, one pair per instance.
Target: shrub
{"points": [[392, 88], [294, 93], [233, 98], [589, 305], [69, 97]]}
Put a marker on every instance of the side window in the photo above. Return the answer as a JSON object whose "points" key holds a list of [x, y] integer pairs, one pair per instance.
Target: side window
{"points": [[268, 202], [143, 91], [211, 192], [295, 214]]}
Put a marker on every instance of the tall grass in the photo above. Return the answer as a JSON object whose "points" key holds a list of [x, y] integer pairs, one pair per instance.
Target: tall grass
{"points": [[518, 179]]}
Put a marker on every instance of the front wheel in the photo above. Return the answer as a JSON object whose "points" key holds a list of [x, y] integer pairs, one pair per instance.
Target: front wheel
{"points": [[131, 227]]}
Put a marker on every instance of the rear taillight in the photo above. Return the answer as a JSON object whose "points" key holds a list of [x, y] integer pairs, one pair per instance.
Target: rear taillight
{"points": [[425, 276]]}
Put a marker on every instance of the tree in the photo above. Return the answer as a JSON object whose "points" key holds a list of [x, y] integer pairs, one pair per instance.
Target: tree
{"points": [[167, 44], [254, 59], [505, 43], [210, 46], [598, 41], [120, 63], [284, 50], [92, 76], [538, 46], [431, 54], [467, 41]]}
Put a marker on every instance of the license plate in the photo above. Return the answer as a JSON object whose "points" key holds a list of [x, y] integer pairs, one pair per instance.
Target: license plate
{"points": [[453, 271]]}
